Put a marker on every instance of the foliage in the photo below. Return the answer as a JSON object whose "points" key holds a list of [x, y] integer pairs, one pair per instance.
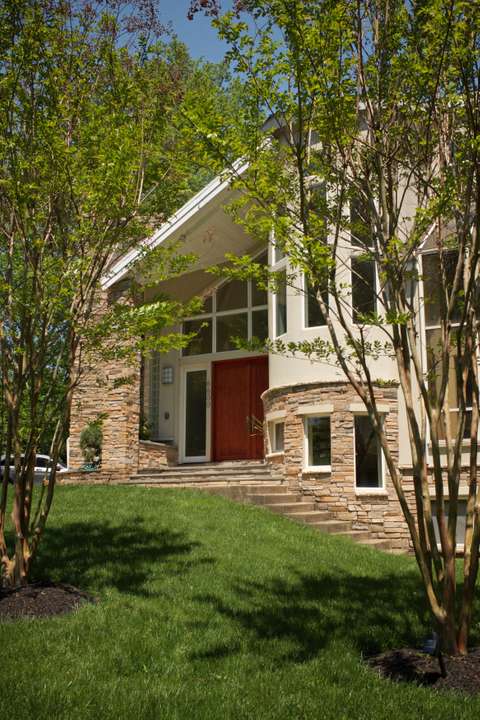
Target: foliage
{"points": [[89, 167], [91, 439], [371, 149]]}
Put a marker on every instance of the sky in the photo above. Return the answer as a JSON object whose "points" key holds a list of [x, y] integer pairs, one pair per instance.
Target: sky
{"points": [[197, 34]]}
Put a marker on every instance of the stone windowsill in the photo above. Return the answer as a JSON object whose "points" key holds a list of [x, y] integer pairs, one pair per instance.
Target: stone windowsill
{"points": [[319, 470], [373, 492]]}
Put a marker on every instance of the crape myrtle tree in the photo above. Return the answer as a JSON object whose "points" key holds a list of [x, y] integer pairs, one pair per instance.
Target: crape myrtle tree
{"points": [[88, 167], [371, 159]]}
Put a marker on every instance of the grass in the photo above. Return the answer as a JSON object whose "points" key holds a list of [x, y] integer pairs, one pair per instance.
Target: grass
{"points": [[211, 610]]}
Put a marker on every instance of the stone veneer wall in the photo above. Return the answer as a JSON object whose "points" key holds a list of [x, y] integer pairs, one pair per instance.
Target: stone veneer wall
{"points": [[151, 455], [378, 510], [102, 390]]}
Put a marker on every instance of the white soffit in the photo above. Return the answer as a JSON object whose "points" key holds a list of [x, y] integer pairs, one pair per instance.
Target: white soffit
{"points": [[186, 212]]}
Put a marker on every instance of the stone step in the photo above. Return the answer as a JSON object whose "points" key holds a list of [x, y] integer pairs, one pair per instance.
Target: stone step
{"points": [[182, 480], [292, 507], [333, 526], [210, 473], [377, 543], [214, 467], [355, 535], [309, 517], [275, 498]]}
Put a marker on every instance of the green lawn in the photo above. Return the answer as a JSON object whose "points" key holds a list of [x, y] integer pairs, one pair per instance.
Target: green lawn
{"points": [[210, 609]]}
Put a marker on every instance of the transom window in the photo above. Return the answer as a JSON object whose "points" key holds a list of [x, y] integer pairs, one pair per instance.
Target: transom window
{"points": [[237, 309]]}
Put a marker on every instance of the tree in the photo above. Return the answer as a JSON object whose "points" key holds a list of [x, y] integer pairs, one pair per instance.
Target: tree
{"points": [[89, 166], [373, 150]]}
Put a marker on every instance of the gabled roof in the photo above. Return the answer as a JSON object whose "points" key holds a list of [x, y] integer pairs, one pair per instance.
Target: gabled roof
{"points": [[214, 188]]}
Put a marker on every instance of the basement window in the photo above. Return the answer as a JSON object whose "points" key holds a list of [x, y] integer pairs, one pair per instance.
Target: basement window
{"points": [[277, 436], [317, 443]]}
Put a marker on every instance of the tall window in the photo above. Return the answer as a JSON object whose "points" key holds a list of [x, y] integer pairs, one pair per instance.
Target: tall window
{"points": [[238, 309], [317, 442], [313, 314], [280, 304], [432, 291], [363, 287], [363, 270], [368, 456]]}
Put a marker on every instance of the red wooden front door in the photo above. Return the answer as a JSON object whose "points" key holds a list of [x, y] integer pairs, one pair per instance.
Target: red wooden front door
{"points": [[236, 389]]}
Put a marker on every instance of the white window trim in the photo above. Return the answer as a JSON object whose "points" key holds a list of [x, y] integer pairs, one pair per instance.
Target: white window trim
{"points": [[271, 436], [379, 489], [314, 468]]}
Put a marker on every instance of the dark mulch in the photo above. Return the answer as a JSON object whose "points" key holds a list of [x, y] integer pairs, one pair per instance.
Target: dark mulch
{"points": [[41, 599], [407, 665]]}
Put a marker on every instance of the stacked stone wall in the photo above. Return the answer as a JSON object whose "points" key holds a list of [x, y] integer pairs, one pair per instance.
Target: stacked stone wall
{"points": [[375, 510]]}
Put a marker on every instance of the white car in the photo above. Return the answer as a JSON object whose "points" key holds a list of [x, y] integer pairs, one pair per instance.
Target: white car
{"points": [[42, 462]]}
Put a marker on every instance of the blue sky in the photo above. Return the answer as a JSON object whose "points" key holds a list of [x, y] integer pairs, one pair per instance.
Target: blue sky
{"points": [[198, 34]]}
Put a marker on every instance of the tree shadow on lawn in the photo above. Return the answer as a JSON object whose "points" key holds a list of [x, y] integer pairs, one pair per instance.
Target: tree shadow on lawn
{"points": [[100, 555], [312, 611]]}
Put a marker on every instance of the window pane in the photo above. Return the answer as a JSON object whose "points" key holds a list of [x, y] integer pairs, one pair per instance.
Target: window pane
{"points": [[318, 438], [314, 314], [202, 342], [40, 462], [278, 437], [432, 286], [196, 414], [360, 223], [367, 456], [260, 324], [228, 327], [281, 307], [278, 253], [461, 519], [259, 297], [317, 199], [207, 306], [363, 287], [232, 296]]}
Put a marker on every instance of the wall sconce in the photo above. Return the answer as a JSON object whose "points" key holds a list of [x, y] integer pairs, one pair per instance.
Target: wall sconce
{"points": [[167, 375]]}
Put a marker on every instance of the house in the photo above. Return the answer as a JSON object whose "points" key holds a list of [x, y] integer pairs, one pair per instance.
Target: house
{"points": [[211, 402]]}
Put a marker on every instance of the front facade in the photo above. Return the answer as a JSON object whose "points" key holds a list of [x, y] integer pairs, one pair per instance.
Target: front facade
{"points": [[212, 402]]}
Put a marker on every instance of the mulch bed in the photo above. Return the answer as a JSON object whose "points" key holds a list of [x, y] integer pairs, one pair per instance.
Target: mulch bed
{"points": [[407, 665], [40, 600]]}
